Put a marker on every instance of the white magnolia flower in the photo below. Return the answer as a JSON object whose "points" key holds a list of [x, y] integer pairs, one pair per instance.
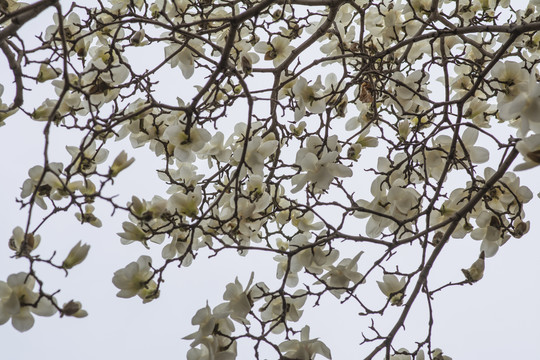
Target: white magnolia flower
{"points": [[342, 275], [490, 232], [392, 287], [18, 238], [186, 145], [408, 91], [216, 149], [51, 186], [17, 300], [511, 78], [120, 163], [530, 149], [134, 279], [88, 216], [319, 168], [238, 303], [283, 269], [209, 322], [272, 311], [526, 105], [477, 154], [182, 55], [313, 258], [258, 150], [306, 348], [133, 232], [448, 209], [47, 72], [214, 347], [308, 97], [86, 160], [277, 50], [507, 194], [186, 203]]}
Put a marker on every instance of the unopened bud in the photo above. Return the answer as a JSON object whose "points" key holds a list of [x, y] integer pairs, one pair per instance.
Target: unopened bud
{"points": [[137, 38], [476, 271], [404, 129], [120, 163], [76, 256], [46, 72], [74, 308]]}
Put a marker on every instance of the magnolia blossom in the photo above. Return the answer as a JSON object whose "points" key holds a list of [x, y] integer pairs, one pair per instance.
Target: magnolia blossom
{"points": [[409, 91], [526, 105], [4, 113], [181, 55], [285, 269], [133, 232], [273, 309], [276, 50], [448, 209], [319, 168], [511, 79], [313, 259], [306, 348], [216, 149], [186, 203], [341, 275], [102, 78], [508, 194], [86, 158], [46, 72], [88, 216], [19, 238], [214, 347], [307, 97], [403, 200], [186, 144], [435, 159], [239, 301], [245, 217], [392, 287], [17, 300], [490, 232], [530, 149], [258, 150], [209, 322], [134, 279], [304, 221], [51, 184]]}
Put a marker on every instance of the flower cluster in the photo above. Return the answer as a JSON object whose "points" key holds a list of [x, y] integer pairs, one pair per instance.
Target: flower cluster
{"points": [[272, 123]]}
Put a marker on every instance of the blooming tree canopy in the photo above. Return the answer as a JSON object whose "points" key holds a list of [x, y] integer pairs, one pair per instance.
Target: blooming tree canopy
{"points": [[349, 141]]}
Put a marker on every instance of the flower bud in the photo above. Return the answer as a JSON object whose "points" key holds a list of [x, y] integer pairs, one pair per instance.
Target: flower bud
{"points": [[47, 73], [476, 271], [74, 308], [120, 163], [137, 38], [76, 256], [403, 129]]}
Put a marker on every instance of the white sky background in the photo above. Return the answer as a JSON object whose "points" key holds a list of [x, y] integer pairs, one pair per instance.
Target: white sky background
{"points": [[495, 318]]}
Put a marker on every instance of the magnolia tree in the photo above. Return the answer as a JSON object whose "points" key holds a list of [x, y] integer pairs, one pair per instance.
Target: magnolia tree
{"points": [[283, 113]]}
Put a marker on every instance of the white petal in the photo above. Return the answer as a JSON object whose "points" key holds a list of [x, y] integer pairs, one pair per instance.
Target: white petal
{"points": [[23, 321]]}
